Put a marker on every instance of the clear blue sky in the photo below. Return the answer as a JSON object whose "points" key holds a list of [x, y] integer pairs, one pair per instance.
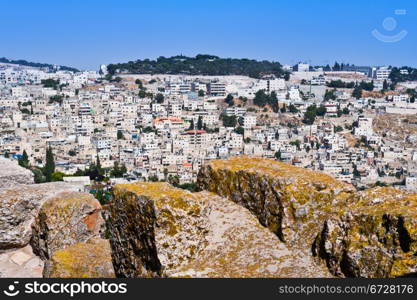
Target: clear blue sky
{"points": [[87, 33]]}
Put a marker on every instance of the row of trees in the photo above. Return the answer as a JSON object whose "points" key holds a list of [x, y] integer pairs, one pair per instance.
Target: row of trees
{"points": [[50, 83], [36, 65], [396, 75], [361, 86], [199, 126], [341, 84], [96, 172], [48, 174], [200, 65]]}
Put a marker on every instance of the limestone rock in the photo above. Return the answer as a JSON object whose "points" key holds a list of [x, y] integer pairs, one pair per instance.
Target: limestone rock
{"points": [[11, 174], [19, 206], [376, 237], [90, 259], [20, 263], [292, 202], [357, 234], [66, 219], [157, 230]]}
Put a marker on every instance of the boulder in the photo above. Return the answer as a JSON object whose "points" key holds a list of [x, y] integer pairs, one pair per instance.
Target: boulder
{"points": [[66, 219], [11, 174], [19, 205], [375, 237], [90, 259], [20, 263], [292, 202], [356, 234], [157, 230]]}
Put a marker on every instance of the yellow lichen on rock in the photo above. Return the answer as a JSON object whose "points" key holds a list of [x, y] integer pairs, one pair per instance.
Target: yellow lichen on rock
{"points": [[196, 235], [65, 219], [91, 259], [357, 234], [275, 168], [283, 197]]}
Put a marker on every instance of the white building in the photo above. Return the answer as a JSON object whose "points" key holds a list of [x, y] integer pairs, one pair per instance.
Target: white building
{"points": [[249, 121], [381, 73], [364, 127], [216, 89], [303, 67]]}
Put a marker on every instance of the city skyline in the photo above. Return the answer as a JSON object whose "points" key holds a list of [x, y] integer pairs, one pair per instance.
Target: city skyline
{"points": [[88, 35]]}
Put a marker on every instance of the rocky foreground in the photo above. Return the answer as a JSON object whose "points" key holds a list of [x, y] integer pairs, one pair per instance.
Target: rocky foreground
{"points": [[161, 231], [39, 220], [255, 218], [11, 174], [356, 234]]}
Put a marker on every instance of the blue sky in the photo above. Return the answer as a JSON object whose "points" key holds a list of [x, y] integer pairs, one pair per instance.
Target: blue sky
{"points": [[87, 33]]}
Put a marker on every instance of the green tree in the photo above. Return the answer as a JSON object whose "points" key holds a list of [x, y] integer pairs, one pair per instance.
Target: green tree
{"points": [[239, 130], [191, 125], [174, 180], [57, 176], [357, 92], [229, 100], [261, 99], [321, 110], [159, 98], [139, 83], [293, 109], [201, 64], [101, 196], [200, 123], [310, 114], [57, 98], [38, 176], [287, 76], [228, 121], [200, 93], [189, 186], [50, 83], [95, 171], [23, 161], [385, 85], [142, 94], [278, 155], [330, 95], [153, 178], [25, 111], [118, 171], [49, 167], [120, 135], [297, 144]]}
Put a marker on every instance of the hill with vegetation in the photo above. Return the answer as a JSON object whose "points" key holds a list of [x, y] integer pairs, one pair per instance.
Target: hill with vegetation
{"points": [[199, 65], [396, 75], [36, 65]]}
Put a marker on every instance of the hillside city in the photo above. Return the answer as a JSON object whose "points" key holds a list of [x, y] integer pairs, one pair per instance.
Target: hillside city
{"points": [[357, 124]]}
